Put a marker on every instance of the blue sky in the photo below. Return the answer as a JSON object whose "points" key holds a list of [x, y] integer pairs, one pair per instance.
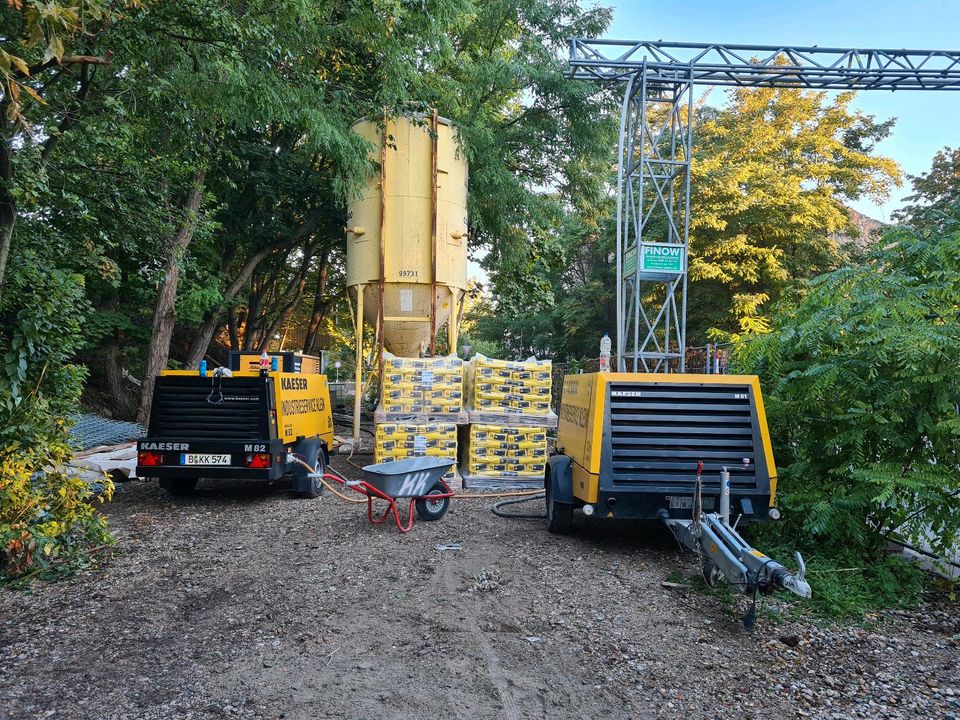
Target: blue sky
{"points": [[926, 121]]}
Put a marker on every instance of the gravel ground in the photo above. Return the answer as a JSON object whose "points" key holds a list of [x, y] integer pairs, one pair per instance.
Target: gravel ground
{"points": [[244, 602]]}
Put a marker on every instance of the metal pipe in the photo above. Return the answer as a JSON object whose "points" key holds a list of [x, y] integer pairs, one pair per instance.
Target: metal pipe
{"points": [[434, 131], [453, 324], [383, 220], [621, 341], [688, 156], [639, 234], [724, 496]]}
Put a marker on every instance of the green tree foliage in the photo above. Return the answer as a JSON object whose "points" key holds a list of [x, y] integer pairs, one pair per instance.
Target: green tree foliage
{"points": [[861, 386], [42, 88], [39, 36], [771, 172], [933, 203], [46, 518]]}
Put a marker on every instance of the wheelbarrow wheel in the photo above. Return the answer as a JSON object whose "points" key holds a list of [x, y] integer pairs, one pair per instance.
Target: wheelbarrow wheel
{"points": [[433, 509]]}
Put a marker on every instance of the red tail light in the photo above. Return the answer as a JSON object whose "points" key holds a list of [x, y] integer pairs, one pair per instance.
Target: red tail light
{"points": [[148, 457], [257, 460]]}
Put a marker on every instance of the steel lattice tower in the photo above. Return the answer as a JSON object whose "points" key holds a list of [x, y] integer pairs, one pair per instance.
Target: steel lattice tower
{"points": [[656, 152]]}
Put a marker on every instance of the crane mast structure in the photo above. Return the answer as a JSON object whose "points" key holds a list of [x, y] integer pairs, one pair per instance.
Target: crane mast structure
{"points": [[656, 150]]}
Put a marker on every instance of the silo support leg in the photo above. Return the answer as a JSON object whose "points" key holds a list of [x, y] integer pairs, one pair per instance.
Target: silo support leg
{"points": [[453, 325], [358, 376]]}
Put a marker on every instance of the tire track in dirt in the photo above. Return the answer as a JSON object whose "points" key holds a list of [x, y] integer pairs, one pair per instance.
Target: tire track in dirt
{"points": [[494, 668]]}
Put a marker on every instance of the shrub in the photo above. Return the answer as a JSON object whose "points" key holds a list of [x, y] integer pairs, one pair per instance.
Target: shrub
{"points": [[47, 519], [862, 387]]}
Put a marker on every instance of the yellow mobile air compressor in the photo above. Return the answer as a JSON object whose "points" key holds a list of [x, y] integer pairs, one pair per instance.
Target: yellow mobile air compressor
{"points": [[692, 451]]}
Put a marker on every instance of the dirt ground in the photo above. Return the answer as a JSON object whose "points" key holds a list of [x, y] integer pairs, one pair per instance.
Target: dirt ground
{"points": [[244, 602]]}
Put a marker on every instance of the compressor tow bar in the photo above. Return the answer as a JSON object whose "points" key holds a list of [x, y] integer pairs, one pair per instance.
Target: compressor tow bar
{"points": [[726, 555]]}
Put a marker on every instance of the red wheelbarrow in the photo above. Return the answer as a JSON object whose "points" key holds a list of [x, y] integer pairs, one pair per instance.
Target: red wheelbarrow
{"points": [[418, 479]]}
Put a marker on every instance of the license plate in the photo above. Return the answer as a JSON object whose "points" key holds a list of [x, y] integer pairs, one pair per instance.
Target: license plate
{"points": [[198, 459]]}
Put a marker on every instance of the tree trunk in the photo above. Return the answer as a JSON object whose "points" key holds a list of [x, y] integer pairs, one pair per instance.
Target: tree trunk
{"points": [[204, 335], [123, 403], [8, 204], [289, 302], [163, 318], [208, 329], [232, 327], [252, 317], [8, 218], [320, 305]]}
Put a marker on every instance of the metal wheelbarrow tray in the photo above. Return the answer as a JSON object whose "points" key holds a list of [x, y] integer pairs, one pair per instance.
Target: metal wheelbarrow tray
{"points": [[420, 479]]}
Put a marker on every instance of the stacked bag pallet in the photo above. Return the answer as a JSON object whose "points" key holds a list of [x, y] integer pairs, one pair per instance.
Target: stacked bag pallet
{"points": [[400, 440], [503, 387], [421, 404], [501, 452], [510, 412]]}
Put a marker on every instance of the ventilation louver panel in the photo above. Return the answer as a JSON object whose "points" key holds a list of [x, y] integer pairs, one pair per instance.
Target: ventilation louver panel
{"points": [[189, 408], [659, 431]]}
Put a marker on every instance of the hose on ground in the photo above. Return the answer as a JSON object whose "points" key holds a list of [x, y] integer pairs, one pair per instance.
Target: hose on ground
{"points": [[327, 484], [491, 495], [496, 509]]}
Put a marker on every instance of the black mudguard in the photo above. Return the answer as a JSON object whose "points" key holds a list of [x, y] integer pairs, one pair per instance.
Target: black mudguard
{"points": [[309, 449], [560, 477]]}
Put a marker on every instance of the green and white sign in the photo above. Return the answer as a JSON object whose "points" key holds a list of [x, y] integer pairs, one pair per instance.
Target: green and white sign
{"points": [[660, 258], [630, 262]]}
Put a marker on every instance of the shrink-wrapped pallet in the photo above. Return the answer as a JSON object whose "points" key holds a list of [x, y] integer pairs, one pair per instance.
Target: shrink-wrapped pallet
{"points": [[417, 389], [510, 392], [400, 440]]}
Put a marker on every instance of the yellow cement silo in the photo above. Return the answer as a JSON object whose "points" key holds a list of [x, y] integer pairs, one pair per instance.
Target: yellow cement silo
{"points": [[407, 237], [407, 234]]}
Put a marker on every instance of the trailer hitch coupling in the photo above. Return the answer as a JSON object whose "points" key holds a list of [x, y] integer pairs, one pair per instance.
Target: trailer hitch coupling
{"points": [[727, 555]]}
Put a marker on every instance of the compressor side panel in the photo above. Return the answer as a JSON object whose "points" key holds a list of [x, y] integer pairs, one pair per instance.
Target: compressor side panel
{"points": [[303, 407]]}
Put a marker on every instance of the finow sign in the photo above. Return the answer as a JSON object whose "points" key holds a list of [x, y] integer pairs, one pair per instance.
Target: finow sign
{"points": [[656, 258]]}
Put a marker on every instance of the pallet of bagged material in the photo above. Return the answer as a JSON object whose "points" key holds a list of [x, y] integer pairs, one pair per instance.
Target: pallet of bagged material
{"points": [[508, 392], [401, 440], [420, 387], [502, 456]]}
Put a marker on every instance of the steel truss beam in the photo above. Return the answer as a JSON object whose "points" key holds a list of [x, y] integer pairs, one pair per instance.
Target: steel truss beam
{"points": [[655, 152], [812, 68]]}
